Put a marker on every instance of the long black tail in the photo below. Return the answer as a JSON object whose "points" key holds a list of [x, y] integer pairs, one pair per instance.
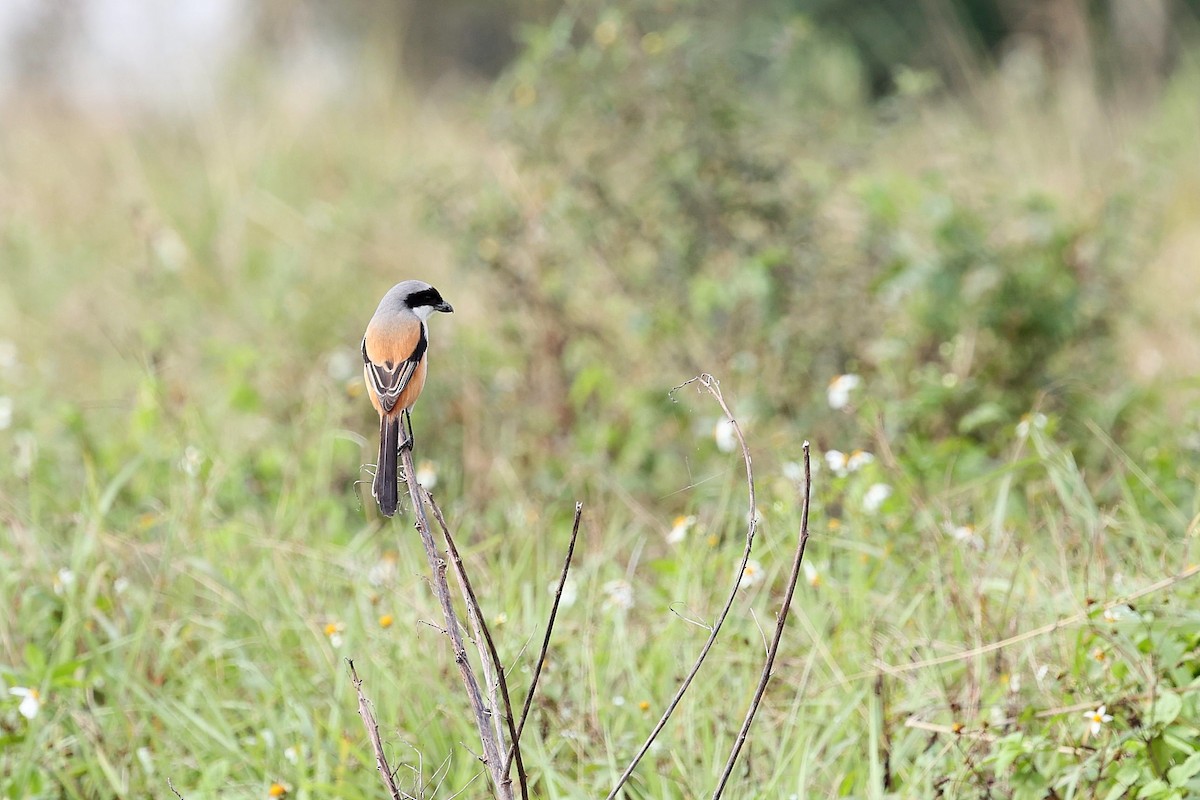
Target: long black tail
{"points": [[384, 487]]}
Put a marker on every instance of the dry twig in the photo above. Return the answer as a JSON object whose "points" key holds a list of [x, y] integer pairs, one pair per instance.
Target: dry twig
{"points": [[778, 635], [491, 656], [713, 387], [364, 711], [492, 749], [537, 672]]}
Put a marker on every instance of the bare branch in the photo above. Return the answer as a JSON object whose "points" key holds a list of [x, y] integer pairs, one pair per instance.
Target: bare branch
{"points": [[537, 672], [492, 757], [713, 386], [488, 660], [364, 711], [476, 616], [765, 678]]}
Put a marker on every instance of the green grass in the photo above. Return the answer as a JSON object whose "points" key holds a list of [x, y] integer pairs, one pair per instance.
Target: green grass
{"points": [[185, 300]]}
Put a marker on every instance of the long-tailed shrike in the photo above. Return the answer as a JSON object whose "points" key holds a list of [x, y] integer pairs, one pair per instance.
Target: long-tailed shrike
{"points": [[394, 364]]}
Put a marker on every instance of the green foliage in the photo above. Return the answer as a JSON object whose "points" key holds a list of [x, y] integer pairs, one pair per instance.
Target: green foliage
{"points": [[693, 191], [992, 310], [666, 217]]}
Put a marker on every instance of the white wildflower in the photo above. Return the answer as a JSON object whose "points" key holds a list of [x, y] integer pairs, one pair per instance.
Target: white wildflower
{"points": [[570, 592], [964, 535], [31, 701], [875, 496], [858, 459], [724, 435], [843, 464], [64, 579], [839, 390], [679, 528], [1118, 613], [333, 631], [191, 461], [1029, 422], [752, 574], [1097, 719], [811, 575], [837, 461], [427, 474], [793, 471], [6, 413]]}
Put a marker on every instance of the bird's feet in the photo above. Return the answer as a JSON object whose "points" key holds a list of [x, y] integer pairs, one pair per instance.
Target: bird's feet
{"points": [[406, 427]]}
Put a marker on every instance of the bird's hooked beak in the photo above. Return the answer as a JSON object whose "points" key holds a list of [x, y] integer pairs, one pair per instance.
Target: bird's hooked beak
{"points": [[445, 307]]}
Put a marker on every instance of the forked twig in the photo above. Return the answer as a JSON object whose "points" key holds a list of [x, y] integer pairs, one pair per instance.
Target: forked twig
{"points": [[492, 749], [713, 386], [779, 626], [537, 671], [477, 620], [364, 711]]}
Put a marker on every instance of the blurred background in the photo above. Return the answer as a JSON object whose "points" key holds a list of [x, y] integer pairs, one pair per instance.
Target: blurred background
{"points": [[999, 192], [958, 237]]}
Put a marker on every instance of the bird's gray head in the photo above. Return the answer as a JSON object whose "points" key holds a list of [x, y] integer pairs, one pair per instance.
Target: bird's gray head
{"points": [[417, 296]]}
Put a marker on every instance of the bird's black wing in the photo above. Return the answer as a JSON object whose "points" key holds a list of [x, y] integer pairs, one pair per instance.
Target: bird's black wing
{"points": [[389, 384]]}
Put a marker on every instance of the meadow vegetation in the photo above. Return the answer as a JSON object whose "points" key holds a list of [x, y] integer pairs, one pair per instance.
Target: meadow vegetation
{"points": [[189, 550]]}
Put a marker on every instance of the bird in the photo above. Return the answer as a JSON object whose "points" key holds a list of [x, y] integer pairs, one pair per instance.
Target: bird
{"points": [[394, 368]]}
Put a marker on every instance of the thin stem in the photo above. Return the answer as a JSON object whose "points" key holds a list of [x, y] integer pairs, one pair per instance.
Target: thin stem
{"points": [[713, 386], [364, 711], [562, 581], [491, 748], [477, 619], [765, 678]]}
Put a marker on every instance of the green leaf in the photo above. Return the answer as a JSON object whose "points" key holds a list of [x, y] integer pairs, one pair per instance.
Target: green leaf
{"points": [[1129, 774], [1180, 773], [1152, 789], [1181, 738], [63, 673], [1123, 783], [980, 416], [1007, 753], [1165, 709], [35, 660]]}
